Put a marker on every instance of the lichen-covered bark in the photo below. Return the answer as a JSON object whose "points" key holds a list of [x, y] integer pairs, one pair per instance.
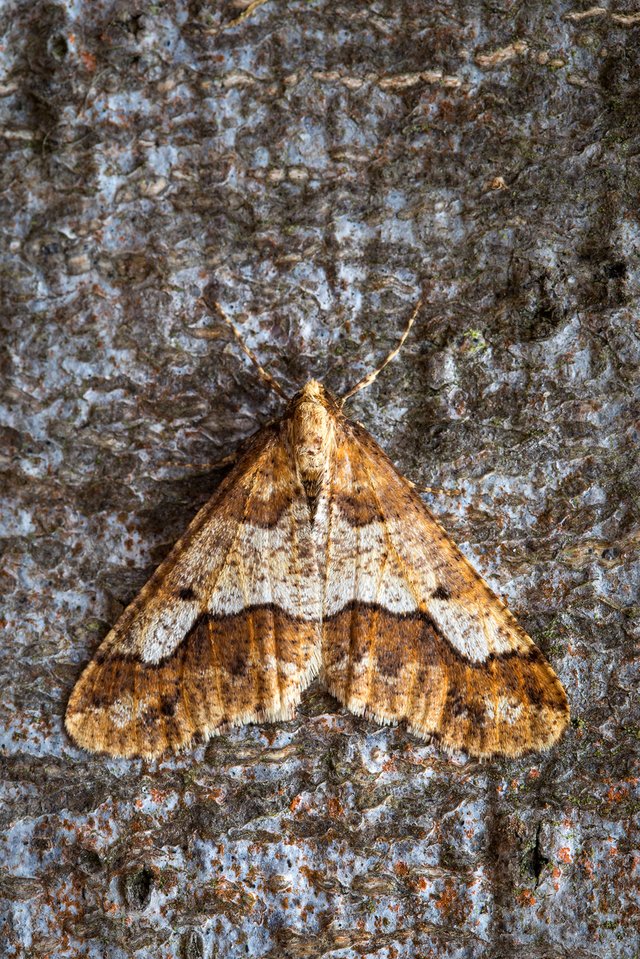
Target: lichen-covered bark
{"points": [[320, 163]]}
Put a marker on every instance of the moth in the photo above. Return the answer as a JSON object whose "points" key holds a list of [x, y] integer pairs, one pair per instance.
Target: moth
{"points": [[315, 557]]}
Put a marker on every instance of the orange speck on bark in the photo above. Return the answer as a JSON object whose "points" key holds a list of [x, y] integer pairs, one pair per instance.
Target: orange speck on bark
{"points": [[564, 854], [526, 898], [216, 795], [401, 869], [335, 807], [295, 802], [88, 60], [617, 795], [447, 901], [534, 773]]}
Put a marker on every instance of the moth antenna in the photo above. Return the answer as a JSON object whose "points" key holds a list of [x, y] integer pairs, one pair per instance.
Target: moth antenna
{"points": [[264, 374], [370, 377]]}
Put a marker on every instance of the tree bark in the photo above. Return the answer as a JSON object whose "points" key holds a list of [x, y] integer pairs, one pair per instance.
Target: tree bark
{"points": [[320, 165]]}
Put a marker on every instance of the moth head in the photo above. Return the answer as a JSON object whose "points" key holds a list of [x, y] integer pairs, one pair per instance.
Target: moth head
{"points": [[314, 412]]}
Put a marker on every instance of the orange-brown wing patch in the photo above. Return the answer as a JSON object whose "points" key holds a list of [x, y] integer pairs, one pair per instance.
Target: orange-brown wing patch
{"points": [[223, 673], [226, 632], [410, 630]]}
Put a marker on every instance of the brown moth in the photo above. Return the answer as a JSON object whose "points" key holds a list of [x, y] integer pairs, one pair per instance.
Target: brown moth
{"points": [[316, 557]]}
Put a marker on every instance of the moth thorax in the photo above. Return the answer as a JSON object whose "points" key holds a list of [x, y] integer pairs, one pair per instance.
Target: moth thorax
{"points": [[312, 443]]}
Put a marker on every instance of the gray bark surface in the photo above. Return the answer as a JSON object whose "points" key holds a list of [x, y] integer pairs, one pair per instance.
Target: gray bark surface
{"points": [[319, 164]]}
